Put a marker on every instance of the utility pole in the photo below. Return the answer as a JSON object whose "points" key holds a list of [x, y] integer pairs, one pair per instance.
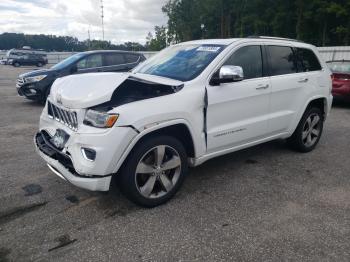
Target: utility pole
{"points": [[102, 16], [89, 39]]}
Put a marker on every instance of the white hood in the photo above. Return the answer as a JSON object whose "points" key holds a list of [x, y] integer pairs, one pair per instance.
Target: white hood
{"points": [[87, 90]]}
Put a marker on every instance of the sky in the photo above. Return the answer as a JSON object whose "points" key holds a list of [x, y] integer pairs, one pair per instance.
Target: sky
{"points": [[124, 20]]}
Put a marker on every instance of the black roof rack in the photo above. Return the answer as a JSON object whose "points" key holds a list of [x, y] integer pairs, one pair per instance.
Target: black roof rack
{"points": [[274, 38]]}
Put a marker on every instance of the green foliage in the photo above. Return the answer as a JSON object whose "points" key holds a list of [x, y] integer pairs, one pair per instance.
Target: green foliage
{"points": [[159, 41], [321, 22], [61, 43]]}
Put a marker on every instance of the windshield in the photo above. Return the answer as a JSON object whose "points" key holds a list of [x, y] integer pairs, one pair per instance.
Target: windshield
{"points": [[68, 61], [180, 62], [339, 67]]}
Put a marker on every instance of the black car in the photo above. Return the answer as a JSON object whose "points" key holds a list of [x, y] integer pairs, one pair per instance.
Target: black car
{"points": [[28, 59], [36, 85]]}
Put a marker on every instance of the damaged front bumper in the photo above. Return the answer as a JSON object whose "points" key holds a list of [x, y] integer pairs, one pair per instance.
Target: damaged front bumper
{"points": [[62, 166]]}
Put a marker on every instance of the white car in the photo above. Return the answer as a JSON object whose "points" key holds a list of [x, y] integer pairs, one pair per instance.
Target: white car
{"points": [[189, 103]]}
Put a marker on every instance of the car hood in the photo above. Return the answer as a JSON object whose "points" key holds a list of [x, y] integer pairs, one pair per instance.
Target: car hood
{"points": [[37, 72], [88, 90]]}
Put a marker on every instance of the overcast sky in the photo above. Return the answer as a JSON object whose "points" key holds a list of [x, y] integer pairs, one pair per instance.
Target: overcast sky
{"points": [[125, 20]]}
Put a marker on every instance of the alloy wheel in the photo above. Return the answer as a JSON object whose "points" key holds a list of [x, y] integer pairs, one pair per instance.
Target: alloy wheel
{"points": [[158, 171], [311, 130]]}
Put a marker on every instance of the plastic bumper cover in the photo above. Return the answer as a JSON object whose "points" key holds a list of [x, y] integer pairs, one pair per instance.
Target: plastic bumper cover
{"points": [[60, 164]]}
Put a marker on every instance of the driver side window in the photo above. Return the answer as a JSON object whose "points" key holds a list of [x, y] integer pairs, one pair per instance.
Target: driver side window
{"points": [[250, 59], [90, 62]]}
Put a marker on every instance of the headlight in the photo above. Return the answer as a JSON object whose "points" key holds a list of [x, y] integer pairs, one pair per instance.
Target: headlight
{"points": [[100, 119], [34, 78]]}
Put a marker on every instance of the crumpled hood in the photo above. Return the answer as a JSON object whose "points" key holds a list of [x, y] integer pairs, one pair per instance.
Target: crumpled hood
{"points": [[88, 90]]}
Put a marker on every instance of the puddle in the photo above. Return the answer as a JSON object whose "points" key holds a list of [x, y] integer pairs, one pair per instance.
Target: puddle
{"points": [[73, 199], [32, 189]]}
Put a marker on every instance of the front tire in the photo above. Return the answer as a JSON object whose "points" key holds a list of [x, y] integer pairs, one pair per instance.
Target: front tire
{"points": [[154, 171], [308, 132], [16, 64]]}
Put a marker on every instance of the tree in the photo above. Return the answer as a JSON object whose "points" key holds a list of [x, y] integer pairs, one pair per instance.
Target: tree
{"points": [[321, 22], [159, 41]]}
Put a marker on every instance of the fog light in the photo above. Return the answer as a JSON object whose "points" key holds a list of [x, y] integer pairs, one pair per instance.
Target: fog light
{"points": [[32, 91], [88, 153]]}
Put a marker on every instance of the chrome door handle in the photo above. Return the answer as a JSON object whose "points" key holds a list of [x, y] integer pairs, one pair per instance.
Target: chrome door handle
{"points": [[261, 86], [303, 80]]}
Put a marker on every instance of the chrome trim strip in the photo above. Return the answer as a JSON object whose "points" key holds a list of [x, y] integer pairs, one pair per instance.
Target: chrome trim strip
{"points": [[56, 172]]}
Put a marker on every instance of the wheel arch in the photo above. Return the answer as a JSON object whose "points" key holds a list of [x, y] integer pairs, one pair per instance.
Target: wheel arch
{"points": [[319, 101], [178, 128]]}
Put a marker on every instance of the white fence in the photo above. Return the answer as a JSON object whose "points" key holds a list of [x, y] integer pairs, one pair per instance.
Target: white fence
{"points": [[335, 53], [327, 53]]}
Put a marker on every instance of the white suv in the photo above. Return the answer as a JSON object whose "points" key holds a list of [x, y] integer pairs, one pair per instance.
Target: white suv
{"points": [[189, 103]]}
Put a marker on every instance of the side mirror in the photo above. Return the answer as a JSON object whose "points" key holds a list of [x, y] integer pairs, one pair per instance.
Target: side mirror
{"points": [[229, 73]]}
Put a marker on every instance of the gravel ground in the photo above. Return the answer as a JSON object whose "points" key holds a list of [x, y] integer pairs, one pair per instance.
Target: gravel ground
{"points": [[266, 203]]}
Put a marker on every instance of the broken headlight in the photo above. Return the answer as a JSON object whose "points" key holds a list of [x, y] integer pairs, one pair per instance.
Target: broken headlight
{"points": [[100, 119]]}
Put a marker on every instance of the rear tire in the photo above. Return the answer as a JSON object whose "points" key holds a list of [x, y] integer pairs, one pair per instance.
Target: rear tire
{"points": [[154, 171], [308, 132], [39, 64]]}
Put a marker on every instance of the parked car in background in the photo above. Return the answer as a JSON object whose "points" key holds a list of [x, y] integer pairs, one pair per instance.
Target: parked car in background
{"points": [[341, 79], [187, 104], [36, 85], [26, 56]]}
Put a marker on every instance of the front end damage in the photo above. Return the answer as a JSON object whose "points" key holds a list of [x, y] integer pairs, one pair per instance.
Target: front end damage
{"points": [[75, 150]]}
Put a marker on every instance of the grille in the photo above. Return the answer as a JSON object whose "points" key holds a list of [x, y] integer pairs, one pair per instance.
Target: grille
{"points": [[68, 118]]}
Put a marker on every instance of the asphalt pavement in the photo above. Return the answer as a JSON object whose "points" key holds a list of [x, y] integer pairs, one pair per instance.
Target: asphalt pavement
{"points": [[266, 203]]}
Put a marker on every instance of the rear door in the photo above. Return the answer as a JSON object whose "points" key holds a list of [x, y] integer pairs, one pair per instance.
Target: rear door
{"points": [[310, 64], [287, 87], [238, 112], [132, 60], [90, 63], [114, 62]]}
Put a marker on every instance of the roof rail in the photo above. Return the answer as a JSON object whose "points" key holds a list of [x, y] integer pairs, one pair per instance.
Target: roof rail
{"points": [[274, 38]]}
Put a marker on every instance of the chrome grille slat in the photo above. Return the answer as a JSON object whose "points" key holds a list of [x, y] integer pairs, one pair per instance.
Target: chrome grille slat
{"points": [[52, 110], [64, 116]]}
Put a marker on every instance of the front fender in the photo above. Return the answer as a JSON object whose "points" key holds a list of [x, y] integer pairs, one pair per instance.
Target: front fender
{"points": [[199, 147]]}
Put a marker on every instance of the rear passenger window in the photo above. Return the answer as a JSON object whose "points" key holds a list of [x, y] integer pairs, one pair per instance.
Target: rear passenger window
{"points": [[249, 58], [90, 62], [308, 59], [114, 59], [130, 58], [282, 60]]}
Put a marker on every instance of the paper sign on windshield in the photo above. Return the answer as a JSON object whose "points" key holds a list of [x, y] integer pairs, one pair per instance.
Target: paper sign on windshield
{"points": [[208, 48]]}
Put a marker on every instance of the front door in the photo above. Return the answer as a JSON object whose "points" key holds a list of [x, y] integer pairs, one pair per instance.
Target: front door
{"points": [[238, 112]]}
